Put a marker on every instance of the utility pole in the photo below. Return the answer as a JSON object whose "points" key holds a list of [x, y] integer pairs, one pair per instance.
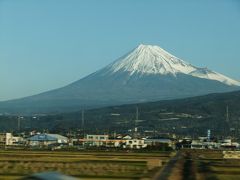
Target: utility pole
{"points": [[136, 113], [82, 119], [135, 123], [83, 123], [19, 123], [227, 122], [227, 114]]}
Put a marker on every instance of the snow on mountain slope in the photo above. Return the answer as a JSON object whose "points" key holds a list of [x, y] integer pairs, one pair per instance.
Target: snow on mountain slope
{"points": [[148, 59], [208, 74]]}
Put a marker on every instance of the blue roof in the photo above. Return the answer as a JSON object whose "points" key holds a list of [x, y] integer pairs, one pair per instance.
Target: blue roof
{"points": [[46, 137], [51, 175]]}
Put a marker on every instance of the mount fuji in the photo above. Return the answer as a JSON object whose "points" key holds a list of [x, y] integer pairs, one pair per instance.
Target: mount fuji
{"points": [[147, 73]]}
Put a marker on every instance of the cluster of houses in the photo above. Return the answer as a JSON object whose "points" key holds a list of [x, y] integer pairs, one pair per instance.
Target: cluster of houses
{"points": [[51, 140], [125, 142], [206, 143], [104, 141]]}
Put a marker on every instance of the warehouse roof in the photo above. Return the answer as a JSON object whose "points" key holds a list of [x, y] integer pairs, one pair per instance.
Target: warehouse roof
{"points": [[47, 137]]}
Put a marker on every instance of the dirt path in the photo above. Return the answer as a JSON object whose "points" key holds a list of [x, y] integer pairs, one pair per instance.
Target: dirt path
{"points": [[165, 173]]}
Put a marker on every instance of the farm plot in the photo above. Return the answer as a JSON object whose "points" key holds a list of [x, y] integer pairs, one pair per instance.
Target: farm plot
{"points": [[90, 165]]}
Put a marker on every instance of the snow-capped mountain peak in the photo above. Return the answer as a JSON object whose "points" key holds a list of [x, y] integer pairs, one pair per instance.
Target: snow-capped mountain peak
{"points": [[149, 59]]}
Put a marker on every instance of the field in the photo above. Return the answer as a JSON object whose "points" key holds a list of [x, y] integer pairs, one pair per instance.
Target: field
{"points": [[187, 164], [207, 164], [87, 165]]}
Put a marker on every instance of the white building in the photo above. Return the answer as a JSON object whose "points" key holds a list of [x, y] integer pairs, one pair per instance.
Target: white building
{"points": [[7, 139], [156, 142], [96, 140], [228, 144], [135, 144]]}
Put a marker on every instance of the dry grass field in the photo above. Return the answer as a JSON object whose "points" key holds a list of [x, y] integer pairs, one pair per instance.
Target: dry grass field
{"points": [[188, 164], [88, 165]]}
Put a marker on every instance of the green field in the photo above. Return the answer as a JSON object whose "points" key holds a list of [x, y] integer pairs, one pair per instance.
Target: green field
{"points": [[88, 165]]}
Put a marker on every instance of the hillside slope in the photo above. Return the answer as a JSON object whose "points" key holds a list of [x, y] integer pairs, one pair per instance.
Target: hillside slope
{"points": [[190, 116]]}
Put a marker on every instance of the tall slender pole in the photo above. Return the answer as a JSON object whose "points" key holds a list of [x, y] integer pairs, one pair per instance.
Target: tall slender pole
{"points": [[227, 121], [136, 113], [83, 128], [83, 123], [227, 114], [19, 123], [135, 123], [82, 119]]}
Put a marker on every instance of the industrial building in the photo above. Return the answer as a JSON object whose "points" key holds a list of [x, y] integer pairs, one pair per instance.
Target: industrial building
{"points": [[47, 139]]}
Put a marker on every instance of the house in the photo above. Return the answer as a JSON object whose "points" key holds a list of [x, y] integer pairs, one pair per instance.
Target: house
{"points": [[135, 144], [96, 140], [160, 141], [228, 144], [197, 144], [200, 144], [99, 140], [47, 139], [104, 141]]}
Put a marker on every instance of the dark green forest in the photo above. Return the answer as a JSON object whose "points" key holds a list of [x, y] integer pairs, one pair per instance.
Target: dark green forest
{"points": [[190, 116]]}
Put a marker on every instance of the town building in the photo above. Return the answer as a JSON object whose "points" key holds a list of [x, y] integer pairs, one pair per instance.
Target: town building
{"points": [[228, 144], [47, 139], [135, 144], [104, 141], [7, 139], [96, 140], [159, 142]]}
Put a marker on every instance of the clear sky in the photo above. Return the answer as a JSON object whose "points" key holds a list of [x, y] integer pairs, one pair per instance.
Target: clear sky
{"points": [[46, 44]]}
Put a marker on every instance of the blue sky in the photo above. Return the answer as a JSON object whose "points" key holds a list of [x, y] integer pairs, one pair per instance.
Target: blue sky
{"points": [[50, 43]]}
